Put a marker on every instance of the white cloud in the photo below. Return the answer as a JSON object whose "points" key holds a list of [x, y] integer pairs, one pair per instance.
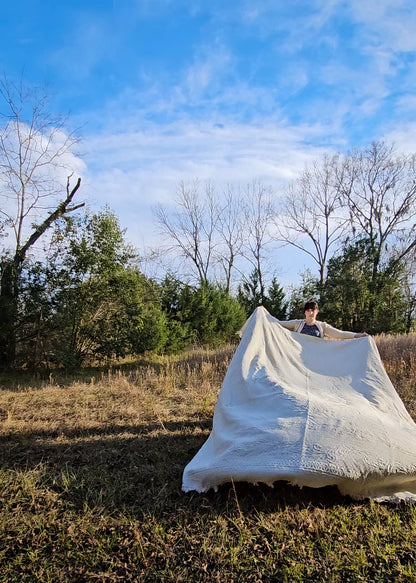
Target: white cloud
{"points": [[404, 137], [388, 23], [210, 120], [207, 69], [131, 172]]}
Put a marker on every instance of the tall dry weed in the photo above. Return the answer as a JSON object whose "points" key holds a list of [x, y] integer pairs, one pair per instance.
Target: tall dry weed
{"points": [[398, 353]]}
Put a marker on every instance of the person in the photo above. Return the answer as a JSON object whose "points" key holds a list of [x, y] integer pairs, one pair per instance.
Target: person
{"points": [[310, 413], [313, 327]]}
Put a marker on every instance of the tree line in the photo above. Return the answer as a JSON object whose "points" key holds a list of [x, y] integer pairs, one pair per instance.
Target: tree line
{"points": [[72, 289], [353, 214]]}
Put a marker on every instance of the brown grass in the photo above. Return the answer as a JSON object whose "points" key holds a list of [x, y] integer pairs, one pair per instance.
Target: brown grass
{"points": [[90, 487], [398, 354]]}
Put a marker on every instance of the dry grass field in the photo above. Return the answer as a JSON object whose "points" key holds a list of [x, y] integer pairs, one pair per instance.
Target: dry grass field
{"points": [[90, 486]]}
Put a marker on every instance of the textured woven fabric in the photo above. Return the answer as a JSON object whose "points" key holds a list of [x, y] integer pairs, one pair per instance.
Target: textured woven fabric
{"points": [[309, 411]]}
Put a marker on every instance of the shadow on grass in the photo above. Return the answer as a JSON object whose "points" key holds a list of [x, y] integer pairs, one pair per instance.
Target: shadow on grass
{"points": [[138, 470]]}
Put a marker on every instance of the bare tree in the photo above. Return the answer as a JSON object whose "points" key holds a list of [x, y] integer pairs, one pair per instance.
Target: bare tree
{"points": [[190, 228], [34, 153], [208, 230], [260, 215], [379, 187], [313, 217], [231, 232]]}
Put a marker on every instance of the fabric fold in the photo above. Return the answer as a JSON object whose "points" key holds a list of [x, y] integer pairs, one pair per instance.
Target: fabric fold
{"points": [[309, 411]]}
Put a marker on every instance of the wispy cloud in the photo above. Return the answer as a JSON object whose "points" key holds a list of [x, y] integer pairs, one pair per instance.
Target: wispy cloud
{"points": [[209, 67], [231, 92], [211, 121], [134, 170]]}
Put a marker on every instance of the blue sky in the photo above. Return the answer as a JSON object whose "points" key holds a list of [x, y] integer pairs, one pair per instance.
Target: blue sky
{"points": [[231, 91]]}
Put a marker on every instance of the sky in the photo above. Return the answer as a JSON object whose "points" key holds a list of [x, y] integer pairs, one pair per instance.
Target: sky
{"points": [[231, 91]]}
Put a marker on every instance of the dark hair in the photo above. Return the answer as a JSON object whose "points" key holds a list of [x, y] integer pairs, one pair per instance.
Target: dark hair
{"points": [[310, 305]]}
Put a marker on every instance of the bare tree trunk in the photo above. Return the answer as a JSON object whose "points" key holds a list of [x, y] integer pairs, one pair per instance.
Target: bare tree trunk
{"points": [[259, 217], [11, 270], [231, 230], [8, 312]]}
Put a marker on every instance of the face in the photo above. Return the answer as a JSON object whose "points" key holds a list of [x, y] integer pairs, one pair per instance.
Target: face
{"points": [[310, 315]]}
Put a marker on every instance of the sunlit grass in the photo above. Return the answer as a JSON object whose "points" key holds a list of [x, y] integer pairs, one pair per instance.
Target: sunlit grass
{"points": [[90, 486]]}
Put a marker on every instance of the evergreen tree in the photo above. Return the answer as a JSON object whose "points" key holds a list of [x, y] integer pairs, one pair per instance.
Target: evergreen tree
{"points": [[250, 296], [103, 307], [204, 314], [175, 297], [354, 298], [214, 315], [275, 301], [249, 293]]}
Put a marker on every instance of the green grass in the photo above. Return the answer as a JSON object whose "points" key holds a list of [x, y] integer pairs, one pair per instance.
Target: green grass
{"points": [[90, 488]]}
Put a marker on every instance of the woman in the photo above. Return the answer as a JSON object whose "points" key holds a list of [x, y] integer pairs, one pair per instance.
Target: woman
{"points": [[313, 327]]}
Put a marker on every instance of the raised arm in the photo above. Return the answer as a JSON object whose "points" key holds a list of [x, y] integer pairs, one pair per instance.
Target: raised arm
{"points": [[336, 334], [292, 325]]}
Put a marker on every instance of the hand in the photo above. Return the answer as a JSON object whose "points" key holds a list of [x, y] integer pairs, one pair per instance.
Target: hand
{"points": [[360, 334]]}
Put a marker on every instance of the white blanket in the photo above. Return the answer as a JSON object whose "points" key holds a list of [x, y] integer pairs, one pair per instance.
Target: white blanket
{"points": [[309, 411]]}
